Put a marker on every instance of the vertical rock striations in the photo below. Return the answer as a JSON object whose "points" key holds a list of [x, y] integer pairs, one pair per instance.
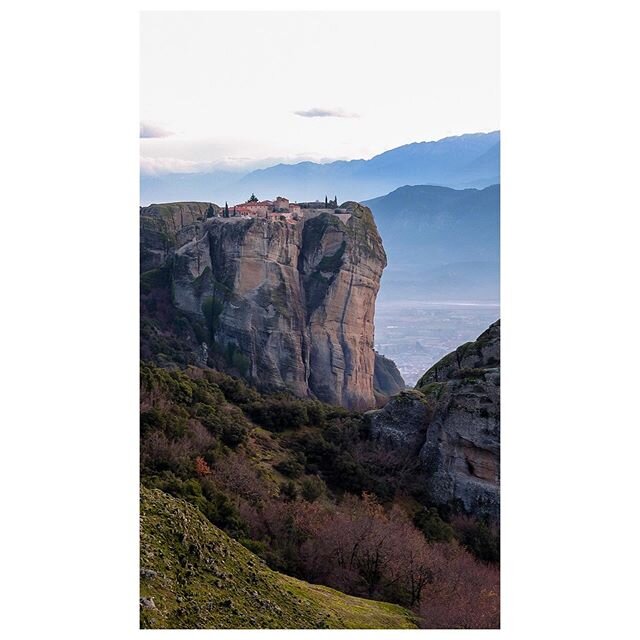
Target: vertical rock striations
{"points": [[341, 267], [291, 306]]}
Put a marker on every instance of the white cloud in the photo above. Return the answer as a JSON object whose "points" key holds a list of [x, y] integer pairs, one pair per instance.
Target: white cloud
{"points": [[151, 166], [296, 74], [159, 166], [148, 130], [317, 112]]}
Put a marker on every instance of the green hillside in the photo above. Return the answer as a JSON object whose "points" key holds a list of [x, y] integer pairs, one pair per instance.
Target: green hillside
{"points": [[195, 576]]}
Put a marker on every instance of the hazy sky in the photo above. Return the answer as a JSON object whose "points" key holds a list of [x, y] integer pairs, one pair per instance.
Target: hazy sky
{"points": [[249, 89]]}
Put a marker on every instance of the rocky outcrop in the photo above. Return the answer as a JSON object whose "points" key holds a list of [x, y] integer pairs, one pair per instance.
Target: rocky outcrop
{"points": [[461, 454], [402, 423], [483, 353], [290, 306], [460, 430], [387, 380], [163, 227]]}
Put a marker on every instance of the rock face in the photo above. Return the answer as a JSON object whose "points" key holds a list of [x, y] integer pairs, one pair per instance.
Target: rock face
{"points": [[291, 306], [163, 227], [461, 454], [387, 380], [402, 423], [458, 433]]}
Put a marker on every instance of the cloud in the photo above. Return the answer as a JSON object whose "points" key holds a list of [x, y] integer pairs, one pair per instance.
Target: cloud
{"points": [[148, 130], [317, 112], [159, 166], [153, 166]]}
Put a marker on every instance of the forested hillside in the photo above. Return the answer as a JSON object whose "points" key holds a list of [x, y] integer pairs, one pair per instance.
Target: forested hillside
{"points": [[303, 485]]}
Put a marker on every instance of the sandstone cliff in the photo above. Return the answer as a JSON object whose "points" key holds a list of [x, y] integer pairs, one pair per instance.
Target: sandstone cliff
{"points": [[163, 227], [387, 379], [290, 306], [453, 425]]}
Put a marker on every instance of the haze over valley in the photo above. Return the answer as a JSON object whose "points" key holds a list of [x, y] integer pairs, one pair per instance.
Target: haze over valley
{"points": [[415, 335], [440, 287], [470, 160], [319, 304]]}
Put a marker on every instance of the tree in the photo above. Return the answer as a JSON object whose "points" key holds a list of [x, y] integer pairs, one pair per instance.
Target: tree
{"points": [[326, 201], [253, 198], [210, 211], [335, 200], [226, 210], [202, 468]]}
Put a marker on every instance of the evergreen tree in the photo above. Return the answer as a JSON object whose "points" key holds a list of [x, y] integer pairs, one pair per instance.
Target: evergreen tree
{"points": [[335, 200], [226, 210], [210, 211], [326, 201], [253, 198]]}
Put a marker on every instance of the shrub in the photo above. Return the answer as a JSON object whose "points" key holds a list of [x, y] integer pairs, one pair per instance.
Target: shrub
{"points": [[290, 467], [288, 490], [210, 418], [312, 488], [481, 539], [234, 389], [316, 413], [234, 434], [279, 413], [255, 546], [171, 422], [435, 529], [203, 494]]}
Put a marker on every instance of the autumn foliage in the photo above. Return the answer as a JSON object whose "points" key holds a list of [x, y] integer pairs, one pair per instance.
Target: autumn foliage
{"points": [[202, 468], [320, 502]]}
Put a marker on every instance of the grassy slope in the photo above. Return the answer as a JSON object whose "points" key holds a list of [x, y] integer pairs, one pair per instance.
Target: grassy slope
{"points": [[198, 577]]}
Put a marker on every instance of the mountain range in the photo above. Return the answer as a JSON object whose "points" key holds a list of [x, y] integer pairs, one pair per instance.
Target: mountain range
{"points": [[469, 160], [441, 243]]}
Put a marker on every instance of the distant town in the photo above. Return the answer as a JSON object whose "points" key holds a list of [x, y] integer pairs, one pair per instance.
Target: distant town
{"points": [[280, 209]]}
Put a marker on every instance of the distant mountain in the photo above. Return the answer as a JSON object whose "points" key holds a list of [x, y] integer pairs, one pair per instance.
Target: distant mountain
{"points": [[459, 161], [441, 243], [469, 160], [181, 187]]}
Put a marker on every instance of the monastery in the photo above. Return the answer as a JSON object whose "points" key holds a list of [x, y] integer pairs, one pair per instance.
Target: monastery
{"points": [[281, 209]]}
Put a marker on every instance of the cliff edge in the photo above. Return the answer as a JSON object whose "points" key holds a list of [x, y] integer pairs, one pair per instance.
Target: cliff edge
{"points": [[288, 305]]}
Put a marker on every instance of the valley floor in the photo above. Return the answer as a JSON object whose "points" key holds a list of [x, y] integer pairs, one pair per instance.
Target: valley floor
{"points": [[415, 335]]}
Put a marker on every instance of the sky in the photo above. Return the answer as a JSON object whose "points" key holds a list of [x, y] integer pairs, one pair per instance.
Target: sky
{"points": [[227, 90]]}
